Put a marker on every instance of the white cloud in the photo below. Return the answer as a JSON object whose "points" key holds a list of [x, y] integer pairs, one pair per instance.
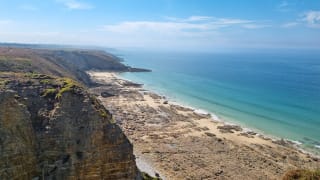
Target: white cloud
{"points": [[290, 24], [194, 24], [190, 19], [227, 21], [203, 19], [199, 18], [192, 31], [157, 27], [75, 4], [312, 18]]}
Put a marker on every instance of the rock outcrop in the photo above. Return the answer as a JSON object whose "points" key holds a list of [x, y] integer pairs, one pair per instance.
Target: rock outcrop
{"points": [[51, 128]]}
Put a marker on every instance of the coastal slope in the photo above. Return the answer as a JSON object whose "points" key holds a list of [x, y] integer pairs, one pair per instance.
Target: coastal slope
{"points": [[61, 62]]}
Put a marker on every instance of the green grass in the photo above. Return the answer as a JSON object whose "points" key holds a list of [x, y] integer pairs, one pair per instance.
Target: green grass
{"points": [[45, 81], [103, 113], [38, 76], [302, 174], [55, 87], [146, 176], [66, 85], [15, 64], [49, 92]]}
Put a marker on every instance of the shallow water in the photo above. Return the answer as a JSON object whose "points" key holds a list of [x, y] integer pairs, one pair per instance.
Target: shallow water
{"points": [[275, 93]]}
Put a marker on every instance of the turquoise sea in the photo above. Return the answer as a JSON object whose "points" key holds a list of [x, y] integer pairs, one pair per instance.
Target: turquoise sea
{"points": [[274, 93]]}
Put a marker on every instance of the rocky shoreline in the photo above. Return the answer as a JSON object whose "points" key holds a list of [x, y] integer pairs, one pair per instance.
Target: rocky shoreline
{"points": [[179, 143]]}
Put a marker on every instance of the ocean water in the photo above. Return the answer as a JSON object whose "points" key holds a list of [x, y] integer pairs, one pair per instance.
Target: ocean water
{"points": [[275, 93]]}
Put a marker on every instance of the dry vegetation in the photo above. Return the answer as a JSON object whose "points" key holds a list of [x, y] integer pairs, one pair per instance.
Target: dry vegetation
{"points": [[302, 174]]}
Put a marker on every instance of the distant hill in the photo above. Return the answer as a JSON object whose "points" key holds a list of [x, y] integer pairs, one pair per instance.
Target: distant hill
{"points": [[60, 62], [54, 46]]}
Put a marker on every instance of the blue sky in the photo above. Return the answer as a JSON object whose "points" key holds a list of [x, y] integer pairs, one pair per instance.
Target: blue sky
{"points": [[163, 24]]}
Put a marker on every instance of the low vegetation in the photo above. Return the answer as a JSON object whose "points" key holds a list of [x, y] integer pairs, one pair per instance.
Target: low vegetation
{"points": [[302, 174], [67, 85], [3, 83], [56, 87], [49, 92], [103, 113], [146, 176], [34, 75], [45, 81], [15, 64]]}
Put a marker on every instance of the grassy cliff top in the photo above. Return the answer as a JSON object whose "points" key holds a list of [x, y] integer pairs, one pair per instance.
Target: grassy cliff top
{"points": [[51, 85], [70, 63]]}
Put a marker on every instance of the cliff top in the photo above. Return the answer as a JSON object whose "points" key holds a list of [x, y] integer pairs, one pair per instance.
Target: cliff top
{"points": [[62, 63], [51, 86]]}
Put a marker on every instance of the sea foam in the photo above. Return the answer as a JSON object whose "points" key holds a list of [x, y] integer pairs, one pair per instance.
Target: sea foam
{"points": [[296, 142]]}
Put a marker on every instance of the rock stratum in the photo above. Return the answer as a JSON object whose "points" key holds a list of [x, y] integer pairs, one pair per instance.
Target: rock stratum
{"points": [[50, 126]]}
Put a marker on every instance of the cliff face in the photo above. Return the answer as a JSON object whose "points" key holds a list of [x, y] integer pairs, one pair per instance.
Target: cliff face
{"points": [[52, 128]]}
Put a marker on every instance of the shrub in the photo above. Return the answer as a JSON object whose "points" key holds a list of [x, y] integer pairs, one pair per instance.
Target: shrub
{"points": [[302, 174], [3, 83], [34, 75], [45, 81], [103, 113], [146, 176]]}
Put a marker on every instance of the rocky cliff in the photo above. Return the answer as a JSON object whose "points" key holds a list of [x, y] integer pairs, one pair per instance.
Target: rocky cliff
{"points": [[51, 128]]}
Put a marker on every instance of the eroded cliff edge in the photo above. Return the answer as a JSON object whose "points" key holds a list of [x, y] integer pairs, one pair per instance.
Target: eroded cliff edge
{"points": [[52, 128]]}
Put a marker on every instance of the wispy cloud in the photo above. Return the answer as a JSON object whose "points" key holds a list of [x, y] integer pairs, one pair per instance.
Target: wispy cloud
{"points": [[136, 26], [312, 18], [208, 19], [189, 19], [198, 18], [192, 23], [180, 32], [290, 24], [76, 5]]}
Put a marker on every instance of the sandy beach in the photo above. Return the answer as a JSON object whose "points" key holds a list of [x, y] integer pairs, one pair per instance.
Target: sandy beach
{"points": [[175, 142]]}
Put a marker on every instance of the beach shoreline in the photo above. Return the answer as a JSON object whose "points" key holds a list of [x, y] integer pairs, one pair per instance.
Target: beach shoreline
{"points": [[314, 150], [176, 121], [216, 118]]}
